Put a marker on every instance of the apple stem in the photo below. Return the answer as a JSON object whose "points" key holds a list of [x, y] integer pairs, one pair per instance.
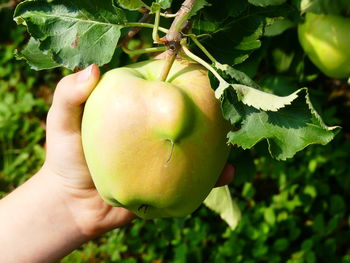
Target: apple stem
{"points": [[169, 60], [155, 35], [203, 63], [166, 15], [174, 36], [204, 50], [142, 51]]}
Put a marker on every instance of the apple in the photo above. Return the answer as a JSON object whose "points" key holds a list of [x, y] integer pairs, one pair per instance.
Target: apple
{"points": [[326, 41], [156, 148]]}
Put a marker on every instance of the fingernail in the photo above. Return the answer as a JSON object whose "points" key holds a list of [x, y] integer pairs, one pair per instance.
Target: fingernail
{"points": [[85, 74]]}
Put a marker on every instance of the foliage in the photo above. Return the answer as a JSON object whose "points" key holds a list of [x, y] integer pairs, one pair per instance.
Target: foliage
{"points": [[293, 211], [68, 32], [21, 116]]}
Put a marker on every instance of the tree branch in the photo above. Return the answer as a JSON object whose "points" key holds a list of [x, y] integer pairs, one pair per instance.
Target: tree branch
{"points": [[174, 36]]}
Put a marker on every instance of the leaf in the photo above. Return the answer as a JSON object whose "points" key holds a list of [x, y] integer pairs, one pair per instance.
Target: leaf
{"points": [[223, 85], [198, 5], [231, 46], [288, 123], [251, 96], [287, 130], [165, 3], [131, 4], [233, 42], [232, 29], [155, 7], [263, 100], [266, 2], [220, 201], [35, 57], [278, 27], [158, 5], [77, 33], [239, 76], [269, 215]]}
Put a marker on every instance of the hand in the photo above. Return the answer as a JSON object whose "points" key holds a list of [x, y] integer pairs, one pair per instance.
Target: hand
{"points": [[65, 159], [58, 209]]}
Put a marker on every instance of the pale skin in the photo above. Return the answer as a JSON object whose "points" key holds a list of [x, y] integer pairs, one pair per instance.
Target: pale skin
{"points": [[58, 209]]}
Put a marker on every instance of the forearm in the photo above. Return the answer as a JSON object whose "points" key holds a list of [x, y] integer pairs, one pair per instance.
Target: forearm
{"points": [[35, 223]]}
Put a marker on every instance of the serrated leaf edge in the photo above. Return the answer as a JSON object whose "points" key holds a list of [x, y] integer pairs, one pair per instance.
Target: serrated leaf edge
{"points": [[314, 114], [249, 95]]}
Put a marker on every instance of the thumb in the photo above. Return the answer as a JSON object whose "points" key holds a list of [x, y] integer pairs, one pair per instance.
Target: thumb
{"points": [[68, 102]]}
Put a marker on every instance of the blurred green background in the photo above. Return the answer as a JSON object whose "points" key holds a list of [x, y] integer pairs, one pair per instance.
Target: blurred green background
{"points": [[293, 211]]}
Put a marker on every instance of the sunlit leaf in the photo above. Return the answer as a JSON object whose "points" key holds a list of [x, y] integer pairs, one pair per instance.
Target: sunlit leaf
{"points": [[131, 4], [220, 201], [287, 131], [76, 33], [35, 57]]}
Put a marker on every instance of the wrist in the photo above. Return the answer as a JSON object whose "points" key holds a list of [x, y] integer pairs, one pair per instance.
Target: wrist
{"points": [[57, 200], [37, 223], [72, 200], [87, 210]]}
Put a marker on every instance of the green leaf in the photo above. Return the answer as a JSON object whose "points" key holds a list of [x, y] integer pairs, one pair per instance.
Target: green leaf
{"points": [[159, 5], [263, 100], [281, 244], [36, 58], [232, 29], [180, 253], [231, 40], [239, 76], [307, 245], [164, 3], [337, 204], [198, 5], [77, 33], [252, 96], [264, 3], [155, 7], [220, 201], [288, 130], [278, 27], [319, 224], [256, 98], [131, 4], [269, 215]]}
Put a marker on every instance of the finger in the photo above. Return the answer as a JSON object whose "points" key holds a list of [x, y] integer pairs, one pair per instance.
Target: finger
{"points": [[68, 102], [226, 176]]}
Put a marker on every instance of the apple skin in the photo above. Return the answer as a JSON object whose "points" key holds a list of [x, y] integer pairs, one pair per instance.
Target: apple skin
{"points": [[156, 148], [326, 40]]}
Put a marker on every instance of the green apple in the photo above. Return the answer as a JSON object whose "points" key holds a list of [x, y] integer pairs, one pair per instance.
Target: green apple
{"points": [[326, 40], [155, 147]]}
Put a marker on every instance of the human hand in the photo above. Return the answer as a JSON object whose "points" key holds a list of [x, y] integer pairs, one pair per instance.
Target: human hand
{"points": [[65, 158], [60, 205], [65, 161]]}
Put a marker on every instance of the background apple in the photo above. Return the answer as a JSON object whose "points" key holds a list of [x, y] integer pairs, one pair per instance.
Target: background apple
{"points": [[326, 40], [156, 148]]}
